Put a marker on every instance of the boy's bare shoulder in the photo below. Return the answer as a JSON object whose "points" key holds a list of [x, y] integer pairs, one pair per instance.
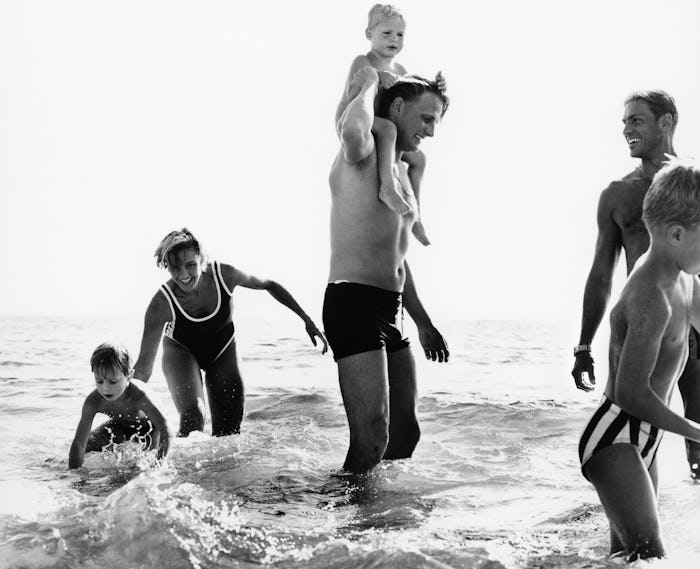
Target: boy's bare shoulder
{"points": [[642, 299], [93, 400], [139, 391]]}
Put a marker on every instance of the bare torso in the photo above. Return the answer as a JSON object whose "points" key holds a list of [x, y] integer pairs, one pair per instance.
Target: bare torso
{"points": [[129, 407], [673, 351], [625, 203], [368, 240]]}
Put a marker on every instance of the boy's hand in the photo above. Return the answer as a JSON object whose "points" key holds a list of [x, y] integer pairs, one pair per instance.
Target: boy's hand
{"points": [[441, 82], [387, 79]]}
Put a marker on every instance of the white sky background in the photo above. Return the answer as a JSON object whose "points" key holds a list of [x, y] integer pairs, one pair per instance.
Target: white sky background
{"points": [[120, 121]]}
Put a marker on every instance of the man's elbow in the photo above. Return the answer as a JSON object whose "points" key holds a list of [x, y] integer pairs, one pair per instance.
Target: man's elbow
{"points": [[356, 144]]}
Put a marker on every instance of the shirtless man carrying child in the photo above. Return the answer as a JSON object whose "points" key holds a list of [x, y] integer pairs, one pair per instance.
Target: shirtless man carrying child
{"points": [[385, 31]]}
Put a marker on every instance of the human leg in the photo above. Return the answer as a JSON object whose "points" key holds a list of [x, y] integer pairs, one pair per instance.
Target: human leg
{"points": [[185, 383], [226, 393], [404, 431], [365, 389], [416, 168], [689, 386], [627, 493]]}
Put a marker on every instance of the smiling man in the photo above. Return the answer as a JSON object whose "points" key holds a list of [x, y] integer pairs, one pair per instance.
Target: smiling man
{"points": [[649, 119], [370, 281]]}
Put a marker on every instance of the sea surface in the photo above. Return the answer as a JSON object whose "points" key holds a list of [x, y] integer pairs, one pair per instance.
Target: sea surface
{"points": [[494, 482]]}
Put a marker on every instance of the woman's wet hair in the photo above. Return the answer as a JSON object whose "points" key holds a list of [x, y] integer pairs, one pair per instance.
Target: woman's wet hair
{"points": [[109, 356], [173, 243]]}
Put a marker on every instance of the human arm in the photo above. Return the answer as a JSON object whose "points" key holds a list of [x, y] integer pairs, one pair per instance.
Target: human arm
{"points": [[646, 324], [355, 123], [157, 314], [279, 293], [434, 345], [160, 436], [82, 433], [350, 88], [597, 290]]}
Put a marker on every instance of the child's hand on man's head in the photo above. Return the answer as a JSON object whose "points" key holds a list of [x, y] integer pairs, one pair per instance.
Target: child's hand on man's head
{"points": [[441, 81], [387, 79]]}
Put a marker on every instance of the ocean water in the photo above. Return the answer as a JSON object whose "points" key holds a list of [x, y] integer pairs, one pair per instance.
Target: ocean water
{"points": [[494, 482]]}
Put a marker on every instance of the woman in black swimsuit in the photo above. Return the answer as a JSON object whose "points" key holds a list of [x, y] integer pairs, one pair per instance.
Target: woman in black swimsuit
{"points": [[195, 308]]}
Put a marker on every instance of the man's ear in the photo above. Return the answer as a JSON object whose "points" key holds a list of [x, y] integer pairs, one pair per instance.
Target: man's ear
{"points": [[397, 106], [666, 121]]}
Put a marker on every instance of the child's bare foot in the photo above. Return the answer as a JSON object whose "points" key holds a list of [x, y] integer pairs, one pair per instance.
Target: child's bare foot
{"points": [[419, 233], [393, 199]]}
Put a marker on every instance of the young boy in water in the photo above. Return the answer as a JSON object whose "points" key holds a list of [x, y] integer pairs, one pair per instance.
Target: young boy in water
{"points": [[385, 32], [131, 412], [648, 350]]}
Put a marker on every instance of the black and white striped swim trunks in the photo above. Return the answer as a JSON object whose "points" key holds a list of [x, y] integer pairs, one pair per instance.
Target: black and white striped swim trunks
{"points": [[611, 425]]}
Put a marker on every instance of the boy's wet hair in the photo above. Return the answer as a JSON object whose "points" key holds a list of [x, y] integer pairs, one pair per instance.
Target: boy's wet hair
{"points": [[674, 195], [108, 356], [172, 244], [380, 12], [659, 103], [409, 87]]}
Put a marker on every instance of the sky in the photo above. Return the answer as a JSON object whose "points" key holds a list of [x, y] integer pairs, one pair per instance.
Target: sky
{"points": [[121, 121]]}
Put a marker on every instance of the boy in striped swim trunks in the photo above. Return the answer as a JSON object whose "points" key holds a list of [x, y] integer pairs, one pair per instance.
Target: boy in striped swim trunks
{"points": [[648, 350]]}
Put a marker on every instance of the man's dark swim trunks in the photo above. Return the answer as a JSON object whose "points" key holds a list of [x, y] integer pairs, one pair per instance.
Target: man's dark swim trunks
{"points": [[361, 318], [693, 344]]}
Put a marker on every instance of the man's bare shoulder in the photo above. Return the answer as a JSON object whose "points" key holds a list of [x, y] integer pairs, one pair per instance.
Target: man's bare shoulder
{"points": [[627, 181], [621, 191]]}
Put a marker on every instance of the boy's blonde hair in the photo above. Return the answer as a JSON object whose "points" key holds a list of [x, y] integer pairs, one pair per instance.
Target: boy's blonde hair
{"points": [[674, 195], [381, 12], [110, 356]]}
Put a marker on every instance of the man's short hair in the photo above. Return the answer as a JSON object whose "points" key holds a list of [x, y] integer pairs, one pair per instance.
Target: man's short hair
{"points": [[674, 196], [380, 12], [110, 356], [409, 87], [659, 102]]}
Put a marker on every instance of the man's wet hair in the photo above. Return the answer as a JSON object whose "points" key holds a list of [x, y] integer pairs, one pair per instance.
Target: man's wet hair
{"points": [[674, 195], [409, 88], [380, 12], [659, 103], [173, 243], [109, 356]]}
